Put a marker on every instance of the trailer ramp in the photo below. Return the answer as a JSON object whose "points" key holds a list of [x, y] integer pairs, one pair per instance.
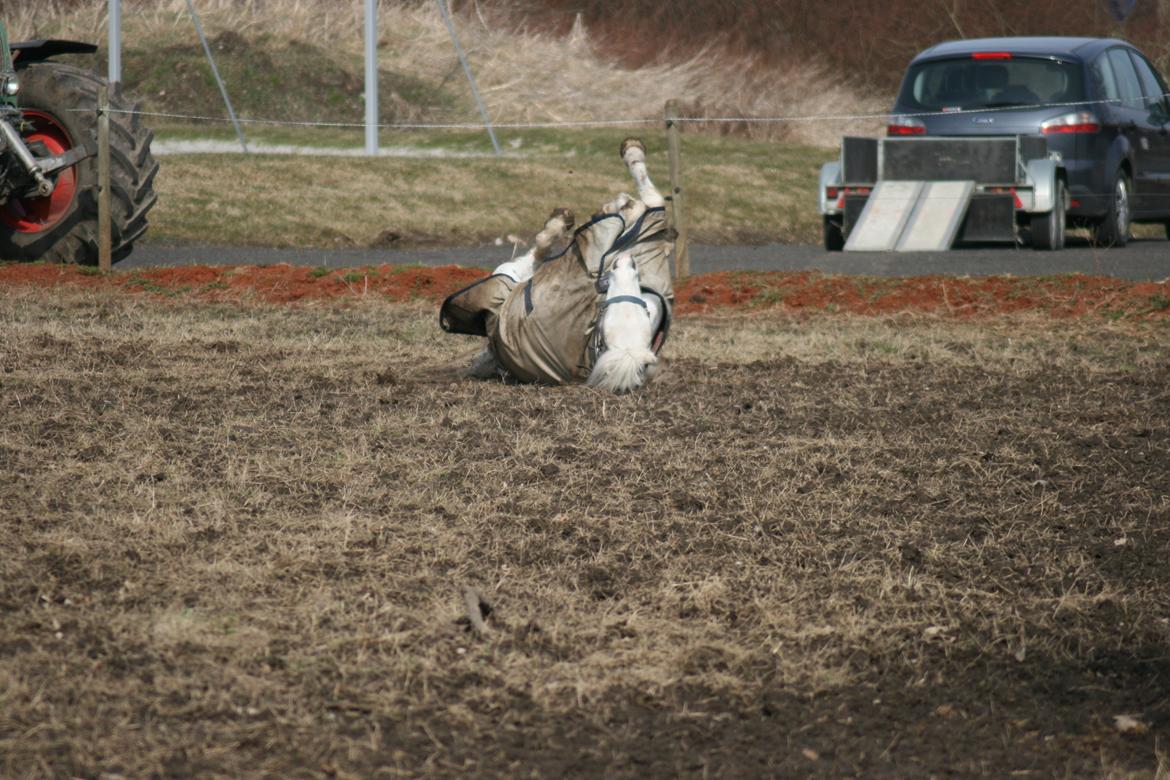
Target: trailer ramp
{"points": [[911, 216]]}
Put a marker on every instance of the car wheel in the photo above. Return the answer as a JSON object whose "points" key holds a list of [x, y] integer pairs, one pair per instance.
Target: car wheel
{"points": [[1113, 230], [834, 235], [1048, 230]]}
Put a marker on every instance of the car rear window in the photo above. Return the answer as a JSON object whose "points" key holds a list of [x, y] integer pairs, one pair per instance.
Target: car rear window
{"points": [[966, 83]]}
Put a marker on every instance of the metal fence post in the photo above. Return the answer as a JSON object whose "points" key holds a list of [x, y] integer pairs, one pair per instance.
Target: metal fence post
{"points": [[371, 41], [105, 253], [115, 41], [682, 260]]}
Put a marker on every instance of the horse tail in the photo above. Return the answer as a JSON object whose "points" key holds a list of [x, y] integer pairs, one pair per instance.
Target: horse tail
{"points": [[621, 369]]}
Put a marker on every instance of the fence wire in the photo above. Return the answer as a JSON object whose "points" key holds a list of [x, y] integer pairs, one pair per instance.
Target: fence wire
{"points": [[639, 121]]}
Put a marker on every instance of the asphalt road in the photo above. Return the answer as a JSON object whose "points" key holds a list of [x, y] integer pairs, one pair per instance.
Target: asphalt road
{"points": [[1147, 259]]}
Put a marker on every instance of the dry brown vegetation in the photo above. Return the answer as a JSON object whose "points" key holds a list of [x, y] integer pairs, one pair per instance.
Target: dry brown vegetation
{"points": [[866, 42], [524, 73], [235, 539]]}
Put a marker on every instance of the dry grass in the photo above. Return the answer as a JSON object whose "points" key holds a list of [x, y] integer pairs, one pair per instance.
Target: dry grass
{"points": [[523, 76], [738, 191], [236, 536]]}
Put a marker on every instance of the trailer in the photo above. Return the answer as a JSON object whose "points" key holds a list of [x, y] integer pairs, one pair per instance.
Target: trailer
{"points": [[927, 193]]}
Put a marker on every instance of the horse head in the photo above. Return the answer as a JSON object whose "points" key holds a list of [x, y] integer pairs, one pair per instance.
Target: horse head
{"points": [[625, 332]]}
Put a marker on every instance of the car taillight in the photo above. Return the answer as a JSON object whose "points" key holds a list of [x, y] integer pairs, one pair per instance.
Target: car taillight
{"points": [[905, 125], [1076, 122]]}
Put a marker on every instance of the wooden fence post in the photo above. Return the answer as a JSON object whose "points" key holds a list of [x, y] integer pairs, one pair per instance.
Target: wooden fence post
{"points": [[105, 255], [682, 260]]}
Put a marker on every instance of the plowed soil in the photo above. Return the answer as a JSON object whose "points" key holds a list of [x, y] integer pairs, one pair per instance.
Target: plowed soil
{"points": [[235, 535], [1059, 296]]}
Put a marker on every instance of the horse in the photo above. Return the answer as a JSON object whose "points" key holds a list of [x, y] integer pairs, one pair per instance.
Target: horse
{"points": [[545, 316]]}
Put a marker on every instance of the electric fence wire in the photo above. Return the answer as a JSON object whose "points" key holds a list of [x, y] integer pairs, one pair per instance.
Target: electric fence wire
{"points": [[585, 123]]}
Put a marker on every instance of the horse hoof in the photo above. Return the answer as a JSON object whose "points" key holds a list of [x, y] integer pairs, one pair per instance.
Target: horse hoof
{"points": [[565, 215], [635, 143]]}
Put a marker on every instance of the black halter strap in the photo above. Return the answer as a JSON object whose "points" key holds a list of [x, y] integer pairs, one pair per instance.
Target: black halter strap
{"points": [[624, 299]]}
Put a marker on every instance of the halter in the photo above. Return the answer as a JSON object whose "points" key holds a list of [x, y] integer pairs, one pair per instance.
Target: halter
{"points": [[624, 299]]}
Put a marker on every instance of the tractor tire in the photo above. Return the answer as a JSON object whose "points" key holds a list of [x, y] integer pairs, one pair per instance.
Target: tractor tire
{"points": [[60, 104]]}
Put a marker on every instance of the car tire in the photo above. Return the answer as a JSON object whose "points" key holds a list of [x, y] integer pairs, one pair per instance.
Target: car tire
{"points": [[1113, 230], [834, 235], [1049, 230]]}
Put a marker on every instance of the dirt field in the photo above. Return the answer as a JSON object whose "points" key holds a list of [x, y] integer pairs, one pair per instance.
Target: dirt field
{"points": [[235, 536]]}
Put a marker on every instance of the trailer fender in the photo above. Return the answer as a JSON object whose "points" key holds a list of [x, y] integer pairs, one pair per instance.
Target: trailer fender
{"points": [[1042, 174], [830, 177]]}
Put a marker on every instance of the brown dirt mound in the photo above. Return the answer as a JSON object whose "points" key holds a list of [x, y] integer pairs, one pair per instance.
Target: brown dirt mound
{"points": [[735, 291]]}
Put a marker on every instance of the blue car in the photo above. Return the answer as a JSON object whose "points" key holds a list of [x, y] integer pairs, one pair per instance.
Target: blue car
{"points": [[1099, 103]]}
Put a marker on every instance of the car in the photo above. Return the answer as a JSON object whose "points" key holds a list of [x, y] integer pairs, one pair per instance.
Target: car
{"points": [[1101, 105]]}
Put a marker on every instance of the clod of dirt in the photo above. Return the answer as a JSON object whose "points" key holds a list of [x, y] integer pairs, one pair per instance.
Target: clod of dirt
{"points": [[911, 555], [386, 238], [478, 610], [566, 452], [550, 470], [1128, 724], [384, 378]]}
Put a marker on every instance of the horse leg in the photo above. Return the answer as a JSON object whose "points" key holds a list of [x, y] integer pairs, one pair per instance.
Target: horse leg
{"points": [[633, 152], [485, 365], [558, 225], [616, 205]]}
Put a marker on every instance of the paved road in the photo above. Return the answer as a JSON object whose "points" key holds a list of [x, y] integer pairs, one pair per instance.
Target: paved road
{"points": [[1142, 260]]}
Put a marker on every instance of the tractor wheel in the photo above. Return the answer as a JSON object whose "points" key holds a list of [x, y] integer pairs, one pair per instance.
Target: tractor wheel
{"points": [[59, 103]]}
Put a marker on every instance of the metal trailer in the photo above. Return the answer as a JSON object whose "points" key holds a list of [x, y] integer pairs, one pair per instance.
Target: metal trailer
{"points": [[926, 193]]}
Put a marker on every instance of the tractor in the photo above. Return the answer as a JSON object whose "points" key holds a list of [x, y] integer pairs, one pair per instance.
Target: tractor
{"points": [[49, 161]]}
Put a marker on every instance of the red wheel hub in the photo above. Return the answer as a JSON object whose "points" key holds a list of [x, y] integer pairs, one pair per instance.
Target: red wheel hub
{"points": [[34, 215]]}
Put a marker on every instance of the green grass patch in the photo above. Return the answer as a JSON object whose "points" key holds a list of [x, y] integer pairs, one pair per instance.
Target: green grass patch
{"points": [[737, 190]]}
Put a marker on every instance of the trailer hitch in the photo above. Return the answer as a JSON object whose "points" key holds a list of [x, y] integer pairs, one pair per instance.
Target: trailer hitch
{"points": [[13, 141], [41, 168]]}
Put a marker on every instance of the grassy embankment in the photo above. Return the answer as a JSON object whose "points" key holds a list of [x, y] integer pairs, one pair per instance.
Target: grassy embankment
{"points": [[302, 61], [275, 69]]}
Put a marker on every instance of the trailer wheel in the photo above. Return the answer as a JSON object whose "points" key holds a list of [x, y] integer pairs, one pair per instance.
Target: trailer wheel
{"points": [[1048, 230], [1113, 230], [834, 235]]}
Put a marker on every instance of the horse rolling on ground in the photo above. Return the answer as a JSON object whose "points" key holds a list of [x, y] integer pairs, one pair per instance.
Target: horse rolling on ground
{"points": [[542, 313]]}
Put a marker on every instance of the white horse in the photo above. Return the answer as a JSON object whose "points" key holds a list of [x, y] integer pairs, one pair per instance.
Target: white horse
{"points": [[554, 318], [625, 332]]}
